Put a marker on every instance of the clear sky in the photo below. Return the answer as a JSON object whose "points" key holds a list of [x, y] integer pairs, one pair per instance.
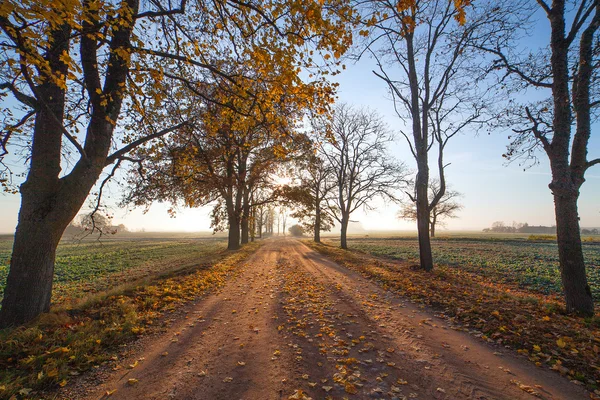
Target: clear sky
{"points": [[492, 190]]}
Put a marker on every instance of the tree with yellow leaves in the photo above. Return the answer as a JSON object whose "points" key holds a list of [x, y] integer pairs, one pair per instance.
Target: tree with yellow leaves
{"points": [[89, 75]]}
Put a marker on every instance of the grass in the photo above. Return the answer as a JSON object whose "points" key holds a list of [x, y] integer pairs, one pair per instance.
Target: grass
{"points": [[476, 290], [516, 261], [88, 267], [66, 342]]}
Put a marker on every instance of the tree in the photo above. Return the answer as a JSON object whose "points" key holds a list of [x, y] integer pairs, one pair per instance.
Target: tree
{"points": [[421, 53], [446, 207], [316, 181], [224, 157], [362, 168], [283, 216], [567, 73], [79, 64], [296, 230]]}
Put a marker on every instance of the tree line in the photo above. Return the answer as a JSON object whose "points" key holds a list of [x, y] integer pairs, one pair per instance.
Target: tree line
{"points": [[204, 102]]}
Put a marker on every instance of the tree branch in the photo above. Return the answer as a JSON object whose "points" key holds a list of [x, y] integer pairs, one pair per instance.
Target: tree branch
{"points": [[121, 152], [592, 163]]}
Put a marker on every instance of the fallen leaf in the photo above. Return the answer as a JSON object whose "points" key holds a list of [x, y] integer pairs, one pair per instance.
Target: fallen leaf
{"points": [[132, 381]]}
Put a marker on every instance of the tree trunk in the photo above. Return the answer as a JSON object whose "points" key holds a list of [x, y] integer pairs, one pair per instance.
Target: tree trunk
{"points": [[40, 226], [29, 283], [425, 255], [432, 225], [317, 235], [245, 230], [233, 241], [344, 233], [578, 295]]}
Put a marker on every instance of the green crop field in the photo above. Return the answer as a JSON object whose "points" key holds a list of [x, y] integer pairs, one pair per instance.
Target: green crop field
{"points": [[513, 259], [91, 266]]}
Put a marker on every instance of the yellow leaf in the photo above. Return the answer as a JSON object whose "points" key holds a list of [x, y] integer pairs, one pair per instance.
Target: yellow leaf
{"points": [[537, 348], [561, 343], [110, 392], [132, 381], [63, 383]]}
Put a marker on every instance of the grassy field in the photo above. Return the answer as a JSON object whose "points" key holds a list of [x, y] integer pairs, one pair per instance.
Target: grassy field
{"points": [[91, 266], [512, 259]]}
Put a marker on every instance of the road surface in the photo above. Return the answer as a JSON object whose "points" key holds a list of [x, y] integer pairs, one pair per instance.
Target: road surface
{"points": [[295, 325]]}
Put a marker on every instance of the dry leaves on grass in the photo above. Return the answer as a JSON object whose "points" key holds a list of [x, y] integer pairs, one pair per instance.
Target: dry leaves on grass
{"points": [[59, 346], [530, 323]]}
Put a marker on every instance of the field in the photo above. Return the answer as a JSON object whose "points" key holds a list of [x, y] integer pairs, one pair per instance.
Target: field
{"points": [[510, 259], [90, 266]]}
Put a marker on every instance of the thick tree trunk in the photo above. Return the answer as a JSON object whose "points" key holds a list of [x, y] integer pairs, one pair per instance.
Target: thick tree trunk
{"points": [[578, 295], [29, 283], [317, 233], [344, 233], [233, 240], [245, 217]]}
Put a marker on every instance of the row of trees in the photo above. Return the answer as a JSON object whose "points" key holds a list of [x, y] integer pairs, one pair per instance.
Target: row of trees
{"points": [[204, 99], [92, 80], [451, 65], [516, 227]]}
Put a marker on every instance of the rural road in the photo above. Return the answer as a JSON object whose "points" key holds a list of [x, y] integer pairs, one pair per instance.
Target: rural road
{"points": [[293, 323]]}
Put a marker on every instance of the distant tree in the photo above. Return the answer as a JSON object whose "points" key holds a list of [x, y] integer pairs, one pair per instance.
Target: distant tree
{"points": [[363, 170], [316, 181], [95, 222], [283, 216], [567, 73], [446, 207], [296, 230]]}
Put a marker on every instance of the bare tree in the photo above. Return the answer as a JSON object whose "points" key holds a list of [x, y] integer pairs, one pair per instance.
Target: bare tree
{"points": [[362, 167], [567, 72], [420, 53], [446, 207]]}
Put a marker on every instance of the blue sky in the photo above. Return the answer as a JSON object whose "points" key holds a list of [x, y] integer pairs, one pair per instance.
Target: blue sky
{"points": [[493, 191]]}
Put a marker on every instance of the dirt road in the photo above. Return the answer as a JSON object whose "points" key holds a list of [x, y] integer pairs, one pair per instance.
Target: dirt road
{"points": [[296, 324]]}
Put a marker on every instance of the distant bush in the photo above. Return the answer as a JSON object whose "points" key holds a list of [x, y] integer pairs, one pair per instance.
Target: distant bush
{"points": [[296, 230], [541, 237]]}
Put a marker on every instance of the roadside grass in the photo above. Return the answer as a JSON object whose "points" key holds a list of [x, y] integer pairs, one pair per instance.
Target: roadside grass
{"points": [[92, 266], [519, 261], [531, 323], [65, 343]]}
